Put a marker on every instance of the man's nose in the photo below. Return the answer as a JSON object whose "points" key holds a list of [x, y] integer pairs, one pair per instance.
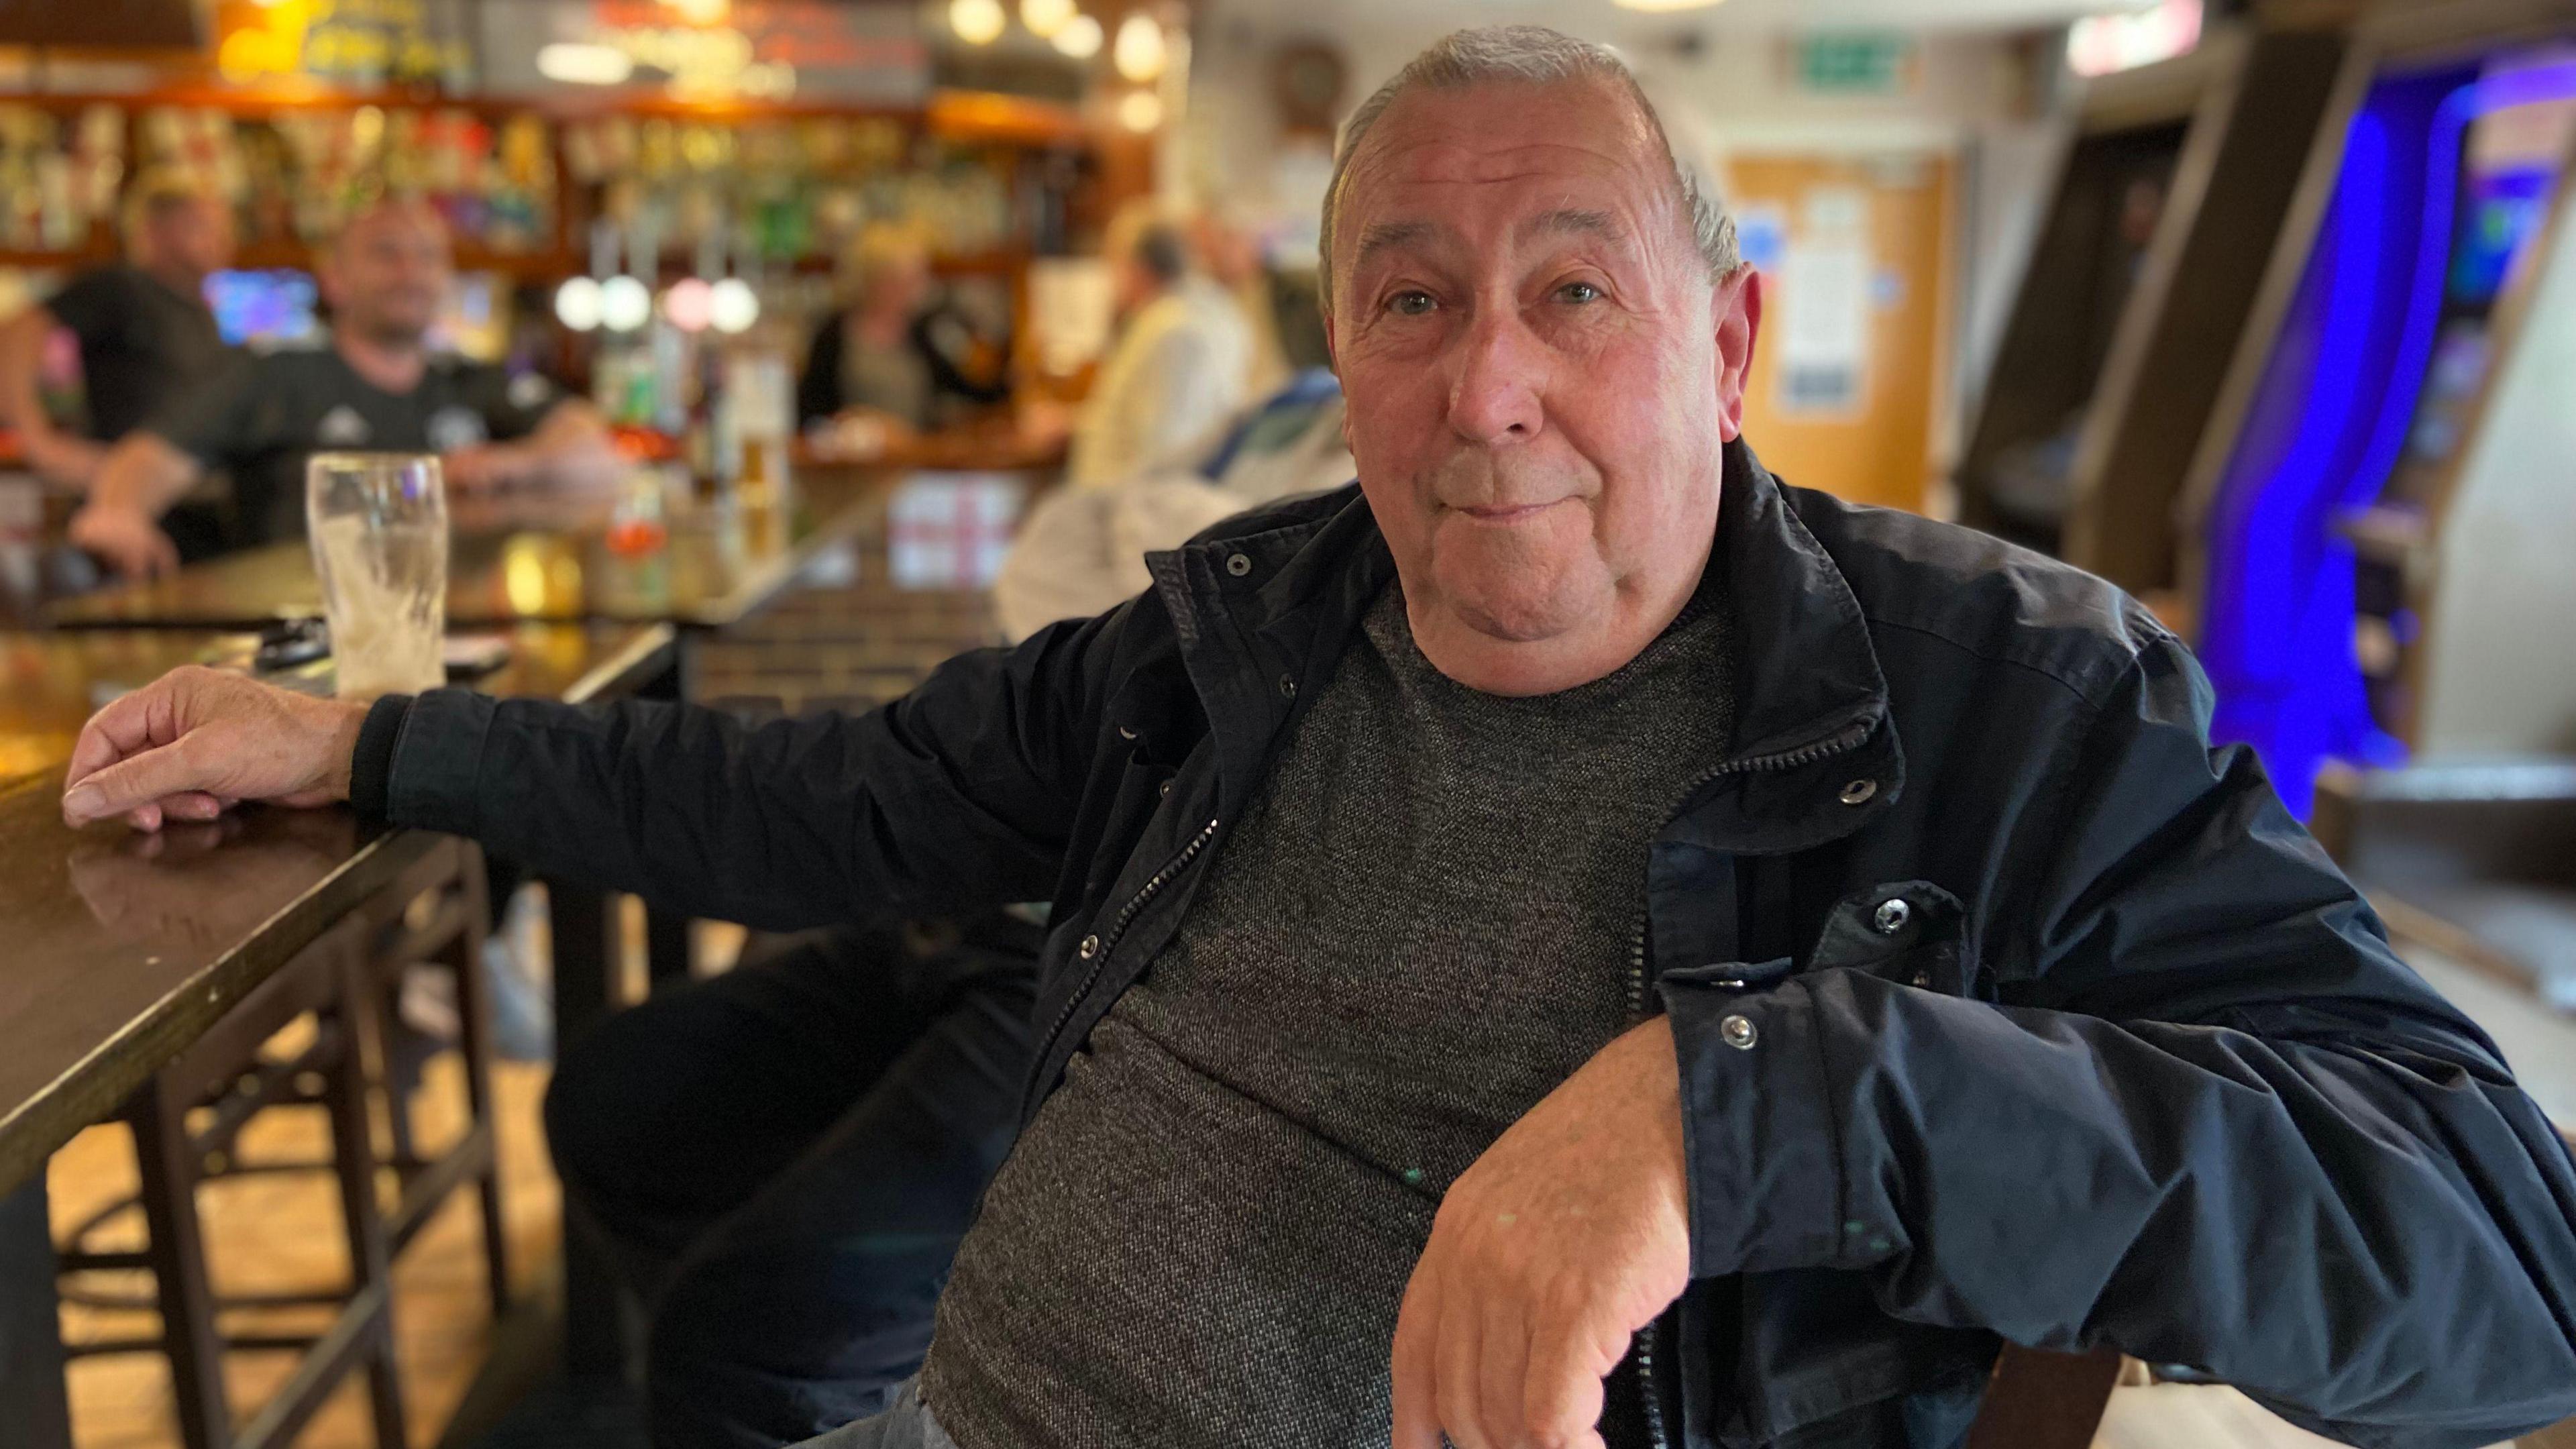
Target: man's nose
{"points": [[1501, 375]]}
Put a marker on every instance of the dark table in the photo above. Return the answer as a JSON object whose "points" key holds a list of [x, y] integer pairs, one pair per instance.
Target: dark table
{"points": [[117, 950], [514, 560]]}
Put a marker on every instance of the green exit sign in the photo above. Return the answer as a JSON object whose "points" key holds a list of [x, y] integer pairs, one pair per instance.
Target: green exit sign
{"points": [[1863, 63]]}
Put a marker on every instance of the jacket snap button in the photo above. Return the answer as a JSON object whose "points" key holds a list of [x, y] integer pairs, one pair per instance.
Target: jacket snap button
{"points": [[1287, 687], [1858, 792], [1892, 915], [1739, 1033], [1167, 789], [1089, 948], [1238, 564]]}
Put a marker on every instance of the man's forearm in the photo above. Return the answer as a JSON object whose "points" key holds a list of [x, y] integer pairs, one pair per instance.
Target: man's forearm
{"points": [[63, 457], [2316, 1206], [143, 474], [22, 343], [571, 449]]}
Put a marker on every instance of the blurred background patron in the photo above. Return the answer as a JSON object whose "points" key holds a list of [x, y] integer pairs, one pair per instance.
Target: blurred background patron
{"points": [[143, 327], [1180, 367], [374, 382]]}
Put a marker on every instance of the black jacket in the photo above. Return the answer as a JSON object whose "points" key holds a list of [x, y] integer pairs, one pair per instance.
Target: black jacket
{"points": [[2005, 1006]]}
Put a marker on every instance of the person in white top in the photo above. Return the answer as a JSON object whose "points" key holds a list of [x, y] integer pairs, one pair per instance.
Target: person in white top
{"points": [[1178, 372]]}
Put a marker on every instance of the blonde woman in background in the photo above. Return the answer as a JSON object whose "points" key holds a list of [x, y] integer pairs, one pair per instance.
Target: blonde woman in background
{"points": [[894, 353]]}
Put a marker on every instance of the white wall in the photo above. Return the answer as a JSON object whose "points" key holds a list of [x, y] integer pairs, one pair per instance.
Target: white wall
{"points": [[2502, 680]]}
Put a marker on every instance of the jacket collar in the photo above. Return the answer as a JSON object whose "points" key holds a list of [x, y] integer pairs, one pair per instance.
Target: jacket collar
{"points": [[1271, 600]]}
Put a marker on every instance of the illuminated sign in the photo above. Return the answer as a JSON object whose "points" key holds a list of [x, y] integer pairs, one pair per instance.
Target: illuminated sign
{"points": [[704, 50], [363, 41], [2101, 44]]}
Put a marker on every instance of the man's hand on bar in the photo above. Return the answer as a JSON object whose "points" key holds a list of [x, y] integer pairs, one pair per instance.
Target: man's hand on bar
{"points": [[126, 539], [191, 743]]}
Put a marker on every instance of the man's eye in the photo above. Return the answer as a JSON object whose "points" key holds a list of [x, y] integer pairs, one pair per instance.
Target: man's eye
{"points": [[1578, 292], [1410, 304]]}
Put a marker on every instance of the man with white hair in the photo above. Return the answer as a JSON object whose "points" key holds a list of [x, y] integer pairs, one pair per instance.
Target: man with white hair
{"points": [[1573, 941], [1179, 368]]}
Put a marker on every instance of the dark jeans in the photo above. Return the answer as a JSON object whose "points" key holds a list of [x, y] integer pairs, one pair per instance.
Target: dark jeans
{"points": [[784, 1157]]}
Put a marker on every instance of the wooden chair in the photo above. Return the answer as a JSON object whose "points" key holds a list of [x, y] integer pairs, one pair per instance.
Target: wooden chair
{"points": [[2043, 1400]]}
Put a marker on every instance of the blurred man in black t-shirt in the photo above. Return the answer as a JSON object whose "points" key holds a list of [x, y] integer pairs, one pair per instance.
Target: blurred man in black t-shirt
{"points": [[372, 385], [146, 335]]}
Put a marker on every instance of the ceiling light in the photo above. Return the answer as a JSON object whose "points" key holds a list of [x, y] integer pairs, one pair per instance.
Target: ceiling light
{"points": [[1139, 51], [1140, 110], [624, 305], [1045, 17], [584, 65], [977, 22], [1080, 37], [732, 305], [577, 304]]}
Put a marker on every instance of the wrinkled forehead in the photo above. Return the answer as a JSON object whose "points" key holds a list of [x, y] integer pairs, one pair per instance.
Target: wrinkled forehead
{"points": [[1481, 159], [405, 225]]}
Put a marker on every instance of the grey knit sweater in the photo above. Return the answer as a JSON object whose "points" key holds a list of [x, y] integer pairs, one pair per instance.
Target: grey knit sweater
{"points": [[1429, 920]]}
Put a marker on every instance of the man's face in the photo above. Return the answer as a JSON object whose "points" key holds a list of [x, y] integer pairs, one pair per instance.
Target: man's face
{"points": [[196, 235], [388, 276], [1540, 375]]}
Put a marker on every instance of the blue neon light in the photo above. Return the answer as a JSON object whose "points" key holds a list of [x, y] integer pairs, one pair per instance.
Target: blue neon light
{"points": [[2332, 411]]}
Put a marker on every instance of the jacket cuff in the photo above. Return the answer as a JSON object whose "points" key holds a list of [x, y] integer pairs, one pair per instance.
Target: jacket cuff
{"points": [[373, 759], [436, 760], [1758, 1130]]}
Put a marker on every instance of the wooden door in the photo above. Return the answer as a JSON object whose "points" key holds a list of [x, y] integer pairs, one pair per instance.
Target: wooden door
{"points": [[1849, 372]]}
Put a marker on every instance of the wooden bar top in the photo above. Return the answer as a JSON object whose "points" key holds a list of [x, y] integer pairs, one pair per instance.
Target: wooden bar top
{"points": [[519, 559], [116, 948]]}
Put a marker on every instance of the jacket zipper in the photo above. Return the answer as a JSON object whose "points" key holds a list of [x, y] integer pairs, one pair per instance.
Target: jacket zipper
{"points": [[1642, 1347], [1841, 741], [1118, 926]]}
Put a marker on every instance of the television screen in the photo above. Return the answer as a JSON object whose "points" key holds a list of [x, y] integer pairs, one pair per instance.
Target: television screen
{"points": [[269, 306]]}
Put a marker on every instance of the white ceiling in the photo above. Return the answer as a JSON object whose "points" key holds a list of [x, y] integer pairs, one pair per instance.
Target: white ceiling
{"points": [[1602, 20]]}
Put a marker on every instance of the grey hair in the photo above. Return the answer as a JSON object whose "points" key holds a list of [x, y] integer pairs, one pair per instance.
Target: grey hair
{"points": [[1536, 54]]}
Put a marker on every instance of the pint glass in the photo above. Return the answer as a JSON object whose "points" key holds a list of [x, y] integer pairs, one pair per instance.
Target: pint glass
{"points": [[378, 524]]}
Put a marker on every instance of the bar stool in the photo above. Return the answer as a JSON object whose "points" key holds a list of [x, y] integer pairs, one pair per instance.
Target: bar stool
{"points": [[436, 914], [432, 914], [225, 1073]]}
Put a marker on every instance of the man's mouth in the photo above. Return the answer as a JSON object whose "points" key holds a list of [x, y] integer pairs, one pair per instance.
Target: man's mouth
{"points": [[1506, 512]]}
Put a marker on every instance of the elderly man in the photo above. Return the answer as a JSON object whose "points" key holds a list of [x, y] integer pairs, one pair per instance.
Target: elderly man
{"points": [[376, 385], [1993, 1003]]}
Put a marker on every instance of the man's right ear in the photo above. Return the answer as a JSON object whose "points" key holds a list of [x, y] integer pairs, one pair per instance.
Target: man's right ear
{"points": [[1736, 308]]}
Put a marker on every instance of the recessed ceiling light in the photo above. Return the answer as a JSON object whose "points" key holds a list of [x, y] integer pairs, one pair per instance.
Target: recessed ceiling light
{"points": [[1139, 53], [977, 22], [1045, 17], [1080, 38]]}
